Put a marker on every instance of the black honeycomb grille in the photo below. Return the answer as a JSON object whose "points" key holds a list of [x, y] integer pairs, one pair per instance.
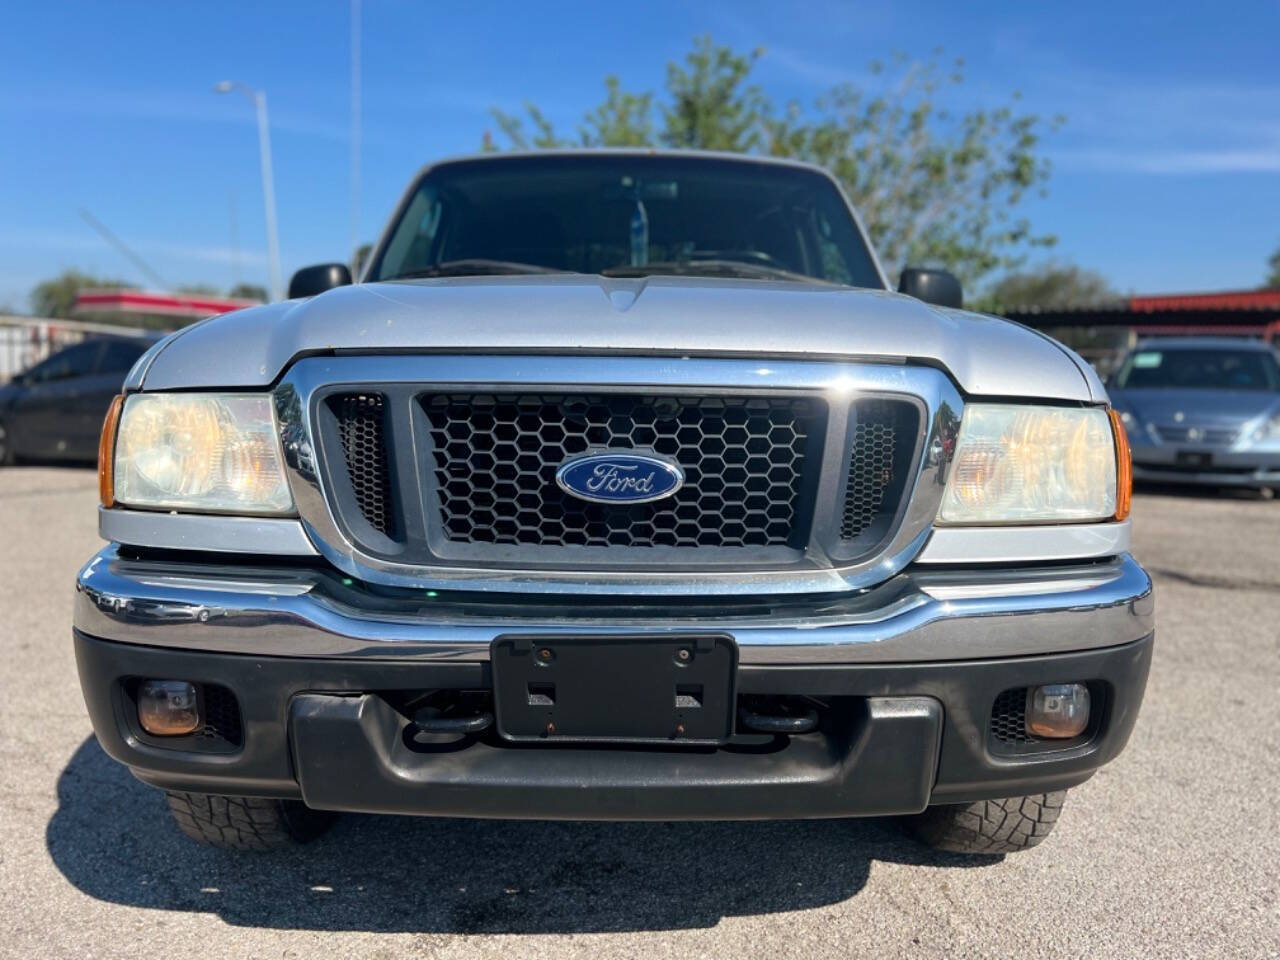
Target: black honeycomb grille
{"points": [[1009, 719], [361, 424], [879, 462], [221, 715], [747, 463]]}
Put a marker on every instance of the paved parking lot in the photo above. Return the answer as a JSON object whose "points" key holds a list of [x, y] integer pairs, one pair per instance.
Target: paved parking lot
{"points": [[1172, 851]]}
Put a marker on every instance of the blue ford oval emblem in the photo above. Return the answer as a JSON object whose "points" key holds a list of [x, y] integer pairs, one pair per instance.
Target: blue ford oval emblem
{"points": [[619, 477]]}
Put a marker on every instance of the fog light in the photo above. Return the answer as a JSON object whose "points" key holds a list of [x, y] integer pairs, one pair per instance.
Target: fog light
{"points": [[167, 708], [1058, 710]]}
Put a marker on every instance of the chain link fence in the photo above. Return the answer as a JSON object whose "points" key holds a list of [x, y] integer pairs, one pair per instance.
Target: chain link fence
{"points": [[25, 341]]}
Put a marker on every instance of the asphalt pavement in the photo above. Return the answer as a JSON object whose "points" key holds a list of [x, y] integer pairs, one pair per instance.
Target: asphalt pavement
{"points": [[1171, 851]]}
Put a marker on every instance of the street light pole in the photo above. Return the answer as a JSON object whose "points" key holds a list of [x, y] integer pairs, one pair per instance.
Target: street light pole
{"points": [[355, 134], [259, 100], [269, 195]]}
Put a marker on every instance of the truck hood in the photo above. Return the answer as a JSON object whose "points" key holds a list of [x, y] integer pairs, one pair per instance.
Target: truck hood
{"points": [[591, 314]]}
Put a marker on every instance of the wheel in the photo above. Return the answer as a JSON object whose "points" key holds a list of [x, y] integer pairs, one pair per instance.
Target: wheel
{"points": [[246, 823], [989, 826], [6, 448]]}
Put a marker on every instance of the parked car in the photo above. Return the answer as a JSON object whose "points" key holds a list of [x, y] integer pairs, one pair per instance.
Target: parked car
{"points": [[54, 411], [621, 487], [1202, 410]]}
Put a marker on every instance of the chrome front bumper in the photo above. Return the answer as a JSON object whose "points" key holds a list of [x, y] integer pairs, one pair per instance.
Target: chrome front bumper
{"points": [[919, 615]]}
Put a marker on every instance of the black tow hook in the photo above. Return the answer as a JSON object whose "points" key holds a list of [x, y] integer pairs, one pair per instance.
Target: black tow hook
{"points": [[805, 722], [430, 720]]}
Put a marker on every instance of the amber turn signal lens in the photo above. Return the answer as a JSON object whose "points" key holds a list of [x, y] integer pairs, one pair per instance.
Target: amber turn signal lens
{"points": [[107, 453], [1058, 711], [1124, 467], [167, 708]]}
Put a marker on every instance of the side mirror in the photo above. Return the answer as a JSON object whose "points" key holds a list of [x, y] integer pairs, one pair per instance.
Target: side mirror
{"points": [[932, 286], [309, 281]]}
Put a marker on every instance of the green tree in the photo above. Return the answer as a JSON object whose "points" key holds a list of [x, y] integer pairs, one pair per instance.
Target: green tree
{"points": [[712, 107], [543, 138], [248, 291], [1273, 280], [933, 186], [623, 120], [1052, 286], [56, 296]]}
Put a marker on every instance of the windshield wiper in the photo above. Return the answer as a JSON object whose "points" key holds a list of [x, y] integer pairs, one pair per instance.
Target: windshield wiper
{"points": [[474, 267], [709, 268]]}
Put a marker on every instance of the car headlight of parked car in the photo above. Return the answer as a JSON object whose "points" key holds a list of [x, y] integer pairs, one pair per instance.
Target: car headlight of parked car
{"points": [[1032, 464], [1268, 431], [204, 453]]}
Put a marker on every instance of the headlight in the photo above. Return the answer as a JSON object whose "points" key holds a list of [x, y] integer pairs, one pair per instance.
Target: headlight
{"points": [[200, 452], [1269, 432], [1025, 464]]}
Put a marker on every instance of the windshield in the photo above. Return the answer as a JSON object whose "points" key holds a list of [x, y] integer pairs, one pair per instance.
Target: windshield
{"points": [[627, 216], [1212, 369]]}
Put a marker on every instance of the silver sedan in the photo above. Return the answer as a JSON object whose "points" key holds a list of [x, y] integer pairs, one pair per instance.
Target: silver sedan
{"points": [[1202, 410]]}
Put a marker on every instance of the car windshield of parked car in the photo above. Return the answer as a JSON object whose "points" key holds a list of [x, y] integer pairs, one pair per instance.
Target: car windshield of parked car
{"points": [[1213, 369], [118, 356], [76, 361], [627, 216]]}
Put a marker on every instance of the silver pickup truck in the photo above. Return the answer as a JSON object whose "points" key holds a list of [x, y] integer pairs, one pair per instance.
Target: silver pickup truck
{"points": [[622, 486]]}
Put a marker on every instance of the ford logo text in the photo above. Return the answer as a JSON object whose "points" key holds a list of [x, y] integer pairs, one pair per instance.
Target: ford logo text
{"points": [[618, 477]]}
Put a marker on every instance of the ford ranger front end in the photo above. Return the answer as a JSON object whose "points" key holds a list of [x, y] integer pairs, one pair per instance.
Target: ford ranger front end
{"points": [[621, 487]]}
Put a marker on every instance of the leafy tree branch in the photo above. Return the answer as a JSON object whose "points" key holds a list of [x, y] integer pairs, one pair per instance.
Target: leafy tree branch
{"points": [[933, 186]]}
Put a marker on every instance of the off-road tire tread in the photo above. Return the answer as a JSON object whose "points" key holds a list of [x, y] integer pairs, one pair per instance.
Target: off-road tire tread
{"points": [[246, 823], [990, 826]]}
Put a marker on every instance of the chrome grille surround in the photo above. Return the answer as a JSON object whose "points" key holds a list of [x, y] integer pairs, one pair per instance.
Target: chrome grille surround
{"points": [[826, 563]]}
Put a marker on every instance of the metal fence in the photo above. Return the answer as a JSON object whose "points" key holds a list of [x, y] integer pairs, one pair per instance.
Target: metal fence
{"points": [[25, 341]]}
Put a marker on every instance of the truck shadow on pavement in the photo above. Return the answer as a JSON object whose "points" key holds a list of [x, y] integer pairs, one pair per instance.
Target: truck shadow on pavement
{"points": [[113, 839]]}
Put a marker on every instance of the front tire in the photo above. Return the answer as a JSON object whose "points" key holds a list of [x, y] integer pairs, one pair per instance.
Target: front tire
{"points": [[246, 823], [989, 827]]}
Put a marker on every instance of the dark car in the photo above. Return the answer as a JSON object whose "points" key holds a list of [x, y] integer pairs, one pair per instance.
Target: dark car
{"points": [[54, 410], [1202, 410]]}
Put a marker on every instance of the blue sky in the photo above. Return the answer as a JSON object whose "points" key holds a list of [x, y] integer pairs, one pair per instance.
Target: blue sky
{"points": [[1166, 176]]}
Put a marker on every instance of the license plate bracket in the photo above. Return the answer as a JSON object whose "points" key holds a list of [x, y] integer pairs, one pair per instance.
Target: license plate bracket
{"points": [[615, 689]]}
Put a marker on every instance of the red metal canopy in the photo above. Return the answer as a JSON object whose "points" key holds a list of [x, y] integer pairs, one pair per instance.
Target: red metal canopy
{"points": [[184, 306], [1223, 300]]}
